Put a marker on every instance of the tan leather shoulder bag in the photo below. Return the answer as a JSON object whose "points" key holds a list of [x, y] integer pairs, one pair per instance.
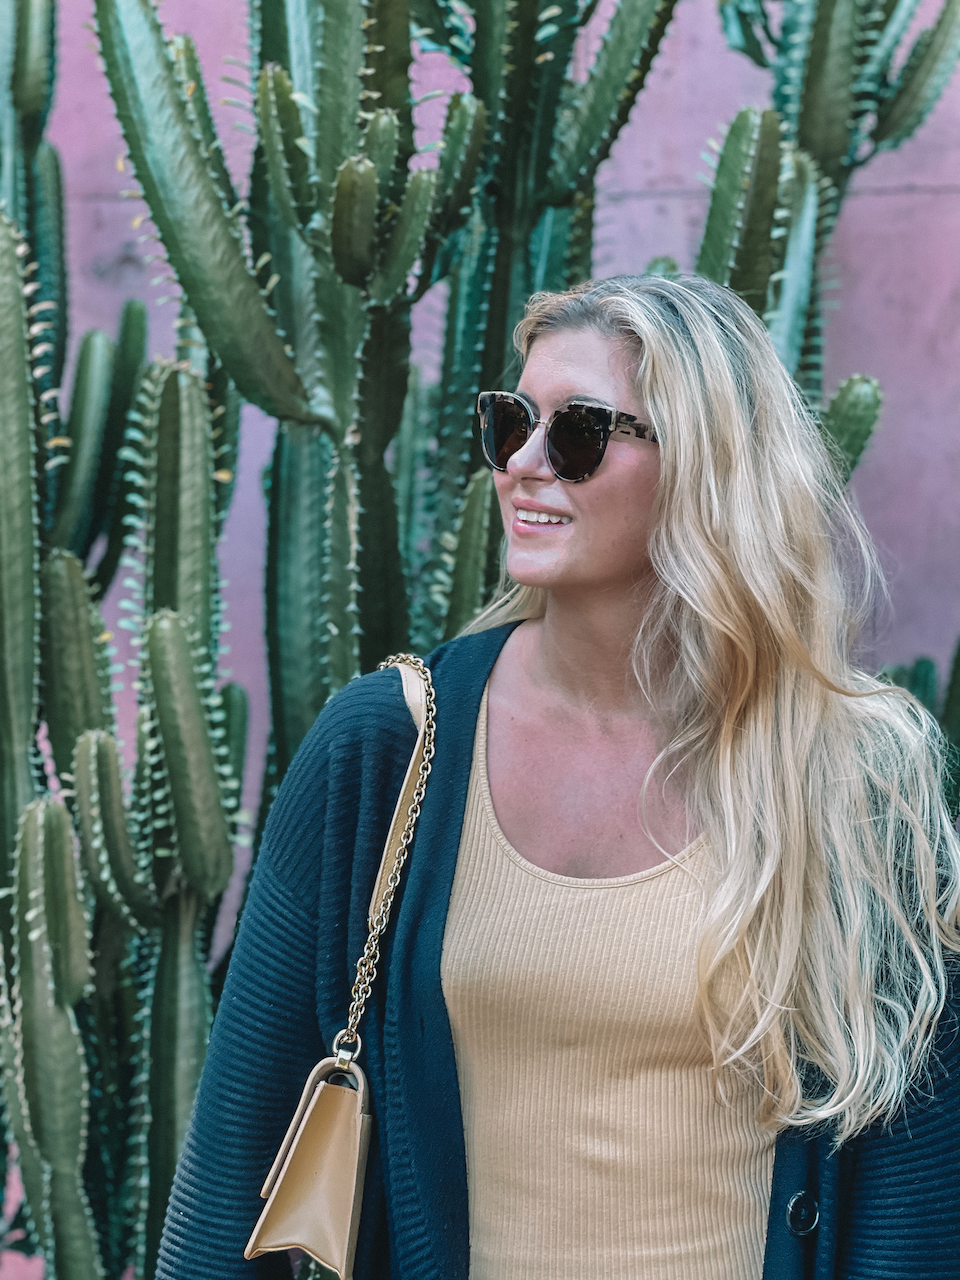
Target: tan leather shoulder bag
{"points": [[315, 1186]]}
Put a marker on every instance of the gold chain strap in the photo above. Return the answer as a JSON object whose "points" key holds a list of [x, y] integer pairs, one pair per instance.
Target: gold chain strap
{"points": [[367, 964]]}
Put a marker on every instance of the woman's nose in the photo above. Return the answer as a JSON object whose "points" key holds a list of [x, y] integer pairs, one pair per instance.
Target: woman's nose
{"points": [[531, 460]]}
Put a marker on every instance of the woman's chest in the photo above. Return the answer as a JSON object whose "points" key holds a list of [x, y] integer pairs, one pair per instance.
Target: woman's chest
{"points": [[570, 795], [550, 963]]}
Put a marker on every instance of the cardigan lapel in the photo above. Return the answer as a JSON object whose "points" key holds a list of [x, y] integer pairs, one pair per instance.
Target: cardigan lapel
{"points": [[421, 1123]]}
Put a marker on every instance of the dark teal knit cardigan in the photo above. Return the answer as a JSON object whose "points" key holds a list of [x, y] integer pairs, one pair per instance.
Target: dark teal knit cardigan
{"points": [[888, 1202]]}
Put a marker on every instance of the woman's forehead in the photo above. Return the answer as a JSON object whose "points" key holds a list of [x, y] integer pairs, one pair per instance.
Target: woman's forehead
{"points": [[579, 364]]}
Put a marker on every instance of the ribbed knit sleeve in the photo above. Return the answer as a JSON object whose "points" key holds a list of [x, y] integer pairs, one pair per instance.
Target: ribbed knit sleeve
{"points": [[903, 1201], [264, 1042]]}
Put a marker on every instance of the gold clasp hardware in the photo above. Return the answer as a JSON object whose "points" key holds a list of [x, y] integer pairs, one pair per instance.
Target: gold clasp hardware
{"points": [[345, 1056]]}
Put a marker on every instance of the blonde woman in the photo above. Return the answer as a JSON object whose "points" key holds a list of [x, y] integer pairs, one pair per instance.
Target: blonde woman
{"points": [[668, 993]]}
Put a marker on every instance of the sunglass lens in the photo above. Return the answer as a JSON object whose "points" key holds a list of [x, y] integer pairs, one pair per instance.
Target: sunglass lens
{"points": [[575, 443], [504, 427]]}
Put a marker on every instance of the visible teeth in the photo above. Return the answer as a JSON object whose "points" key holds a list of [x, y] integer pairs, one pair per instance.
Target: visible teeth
{"points": [[541, 517]]}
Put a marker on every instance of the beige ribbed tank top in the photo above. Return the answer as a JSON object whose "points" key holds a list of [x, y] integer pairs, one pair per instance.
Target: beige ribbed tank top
{"points": [[595, 1147]]}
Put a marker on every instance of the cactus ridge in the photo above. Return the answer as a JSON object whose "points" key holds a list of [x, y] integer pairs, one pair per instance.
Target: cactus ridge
{"points": [[849, 419], [468, 579], [75, 659], [908, 101], [121, 882], [183, 197], [129, 356], [84, 429], [19, 550], [48, 306], [287, 150], [50, 972], [189, 79]]}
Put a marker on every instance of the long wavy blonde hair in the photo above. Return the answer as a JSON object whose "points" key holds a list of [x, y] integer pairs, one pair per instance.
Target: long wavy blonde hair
{"points": [[818, 786]]}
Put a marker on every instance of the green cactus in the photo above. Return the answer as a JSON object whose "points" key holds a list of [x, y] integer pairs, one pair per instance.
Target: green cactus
{"points": [[171, 159], [122, 884], [469, 577], [841, 103], [19, 566], [850, 417], [768, 211], [180, 1023], [75, 664], [50, 973], [129, 354], [203, 843]]}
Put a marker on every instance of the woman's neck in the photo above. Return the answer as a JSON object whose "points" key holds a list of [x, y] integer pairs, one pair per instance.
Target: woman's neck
{"points": [[582, 650]]}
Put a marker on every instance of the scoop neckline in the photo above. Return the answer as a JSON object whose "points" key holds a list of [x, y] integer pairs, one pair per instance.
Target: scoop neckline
{"points": [[555, 877]]}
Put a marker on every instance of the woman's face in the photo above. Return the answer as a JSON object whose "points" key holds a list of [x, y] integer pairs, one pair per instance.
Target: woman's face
{"points": [[602, 543]]}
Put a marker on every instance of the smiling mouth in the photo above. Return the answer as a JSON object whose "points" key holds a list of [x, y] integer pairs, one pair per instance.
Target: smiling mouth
{"points": [[541, 517]]}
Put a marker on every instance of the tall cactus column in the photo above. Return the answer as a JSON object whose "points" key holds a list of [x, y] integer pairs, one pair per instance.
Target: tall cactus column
{"points": [[19, 586]]}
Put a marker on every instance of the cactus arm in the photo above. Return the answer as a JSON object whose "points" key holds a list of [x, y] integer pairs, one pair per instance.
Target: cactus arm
{"points": [[883, 51], [119, 881], [19, 585], [470, 561], [68, 928], [34, 1170], [464, 137], [297, 547], [45, 204], [187, 68], [268, 40], [487, 63], [831, 107], [406, 237], [33, 61], [54, 1069], [383, 382], [339, 84], [849, 419], [750, 275], [790, 68], [353, 222], [341, 324], [73, 511], [387, 70], [202, 834], [591, 115], [203, 245], [71, 669], [182, 562], [282, 132], [548, 248], [463, 351], [235, 712], [128, 358], [554, 39], [925, 75], [740, 33], [112, 1040], [180, 1023], [730, 199], [380, 142], [787, 323], [127, 519]]}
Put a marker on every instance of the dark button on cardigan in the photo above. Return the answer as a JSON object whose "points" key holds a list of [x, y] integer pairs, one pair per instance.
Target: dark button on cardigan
{"points": [[889, 1202]]}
